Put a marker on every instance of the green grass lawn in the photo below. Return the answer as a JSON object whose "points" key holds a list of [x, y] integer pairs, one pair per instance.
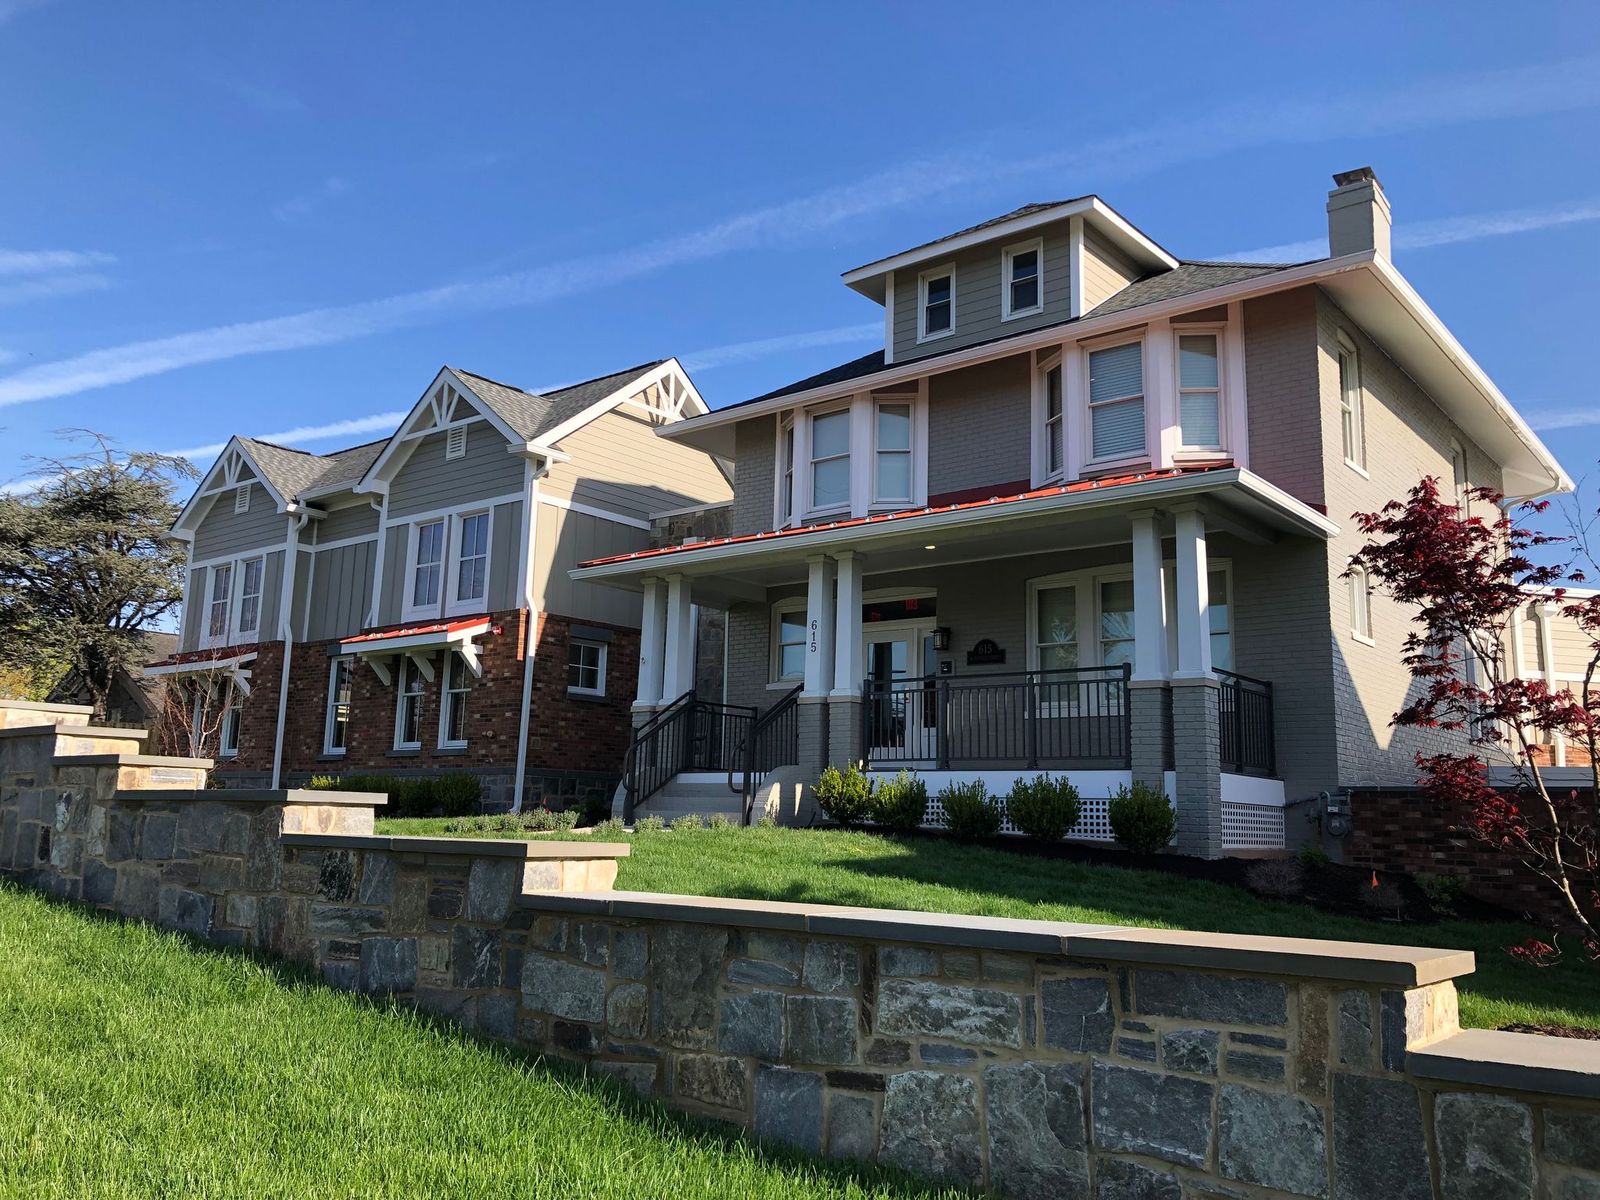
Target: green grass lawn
{"points": [[831, 867], [136, 1063]]}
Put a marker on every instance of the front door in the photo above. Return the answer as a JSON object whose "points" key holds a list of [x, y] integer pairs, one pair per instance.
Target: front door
{"points": [[901, 718]]}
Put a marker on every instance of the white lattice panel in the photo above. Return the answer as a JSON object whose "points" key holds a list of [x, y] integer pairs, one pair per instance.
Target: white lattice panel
{"points": [[1093, 826], [1251, 826]]}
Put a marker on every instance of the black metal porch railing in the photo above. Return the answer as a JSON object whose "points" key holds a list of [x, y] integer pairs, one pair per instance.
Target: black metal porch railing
{"points": [[772, 740], [1245, 733], [688, 735], [1075, 717]]}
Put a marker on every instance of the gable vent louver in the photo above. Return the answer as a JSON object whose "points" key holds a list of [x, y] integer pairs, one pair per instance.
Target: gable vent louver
{"points": [[455, 442], [241, 498]]}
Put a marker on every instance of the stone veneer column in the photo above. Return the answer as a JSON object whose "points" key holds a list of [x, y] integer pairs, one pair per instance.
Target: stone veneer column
{"points": [[1195, 749]]}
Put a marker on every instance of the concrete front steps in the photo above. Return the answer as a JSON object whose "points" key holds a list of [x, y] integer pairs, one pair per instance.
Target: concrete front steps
{"points": [[699, 793]]}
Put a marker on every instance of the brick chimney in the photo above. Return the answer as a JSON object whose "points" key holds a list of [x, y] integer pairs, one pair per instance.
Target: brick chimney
{"points": [[1358, 214]]}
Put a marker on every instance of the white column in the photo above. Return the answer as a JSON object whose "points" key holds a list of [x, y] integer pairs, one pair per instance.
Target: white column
{"points": [[679, 663], [847, 668], [1194, 621], [1161, 394], [1149, 599], [652, 643], [1547, 663], [819, 626]]}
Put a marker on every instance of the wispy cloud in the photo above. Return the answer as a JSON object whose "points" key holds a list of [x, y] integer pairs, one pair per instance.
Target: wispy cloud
{"points": [[297, 208], [302, 435], [1443, 231], [1568, 418], [51, 287], [1515, 92], [44, 262]]}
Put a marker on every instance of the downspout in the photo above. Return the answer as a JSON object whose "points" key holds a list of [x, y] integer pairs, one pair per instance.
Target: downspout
{"points": [[286, 632], [530, 526]]}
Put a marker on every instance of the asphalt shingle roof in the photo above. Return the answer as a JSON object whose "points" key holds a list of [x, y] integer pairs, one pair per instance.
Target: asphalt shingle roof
{"points": [[290, 471], [534, 414]]}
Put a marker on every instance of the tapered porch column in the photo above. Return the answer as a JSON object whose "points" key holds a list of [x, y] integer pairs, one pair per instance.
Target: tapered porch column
{"points": [[1196, 742], [652, 645], [844, 704], [1149, 701], [679, 658]]}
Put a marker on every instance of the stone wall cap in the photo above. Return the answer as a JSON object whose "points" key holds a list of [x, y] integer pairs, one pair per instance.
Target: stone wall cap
{"points": [[302, 796], [71, 710], [1357, 962], [130, 760], [463, 847], [83, 731], [1518, 1062]]}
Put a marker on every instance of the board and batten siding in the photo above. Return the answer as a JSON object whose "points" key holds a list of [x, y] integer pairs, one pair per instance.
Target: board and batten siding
{"points": [[617, 463], [223, 532], [505, 555], [189, 629], [427, 481], [564, 540], [341, 591], [354, 520], [1106, 270], [976, 281]]}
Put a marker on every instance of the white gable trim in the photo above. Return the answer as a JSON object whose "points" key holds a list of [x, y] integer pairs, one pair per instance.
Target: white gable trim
{"points": [[684, 399], [222, 478], [402, 443]]}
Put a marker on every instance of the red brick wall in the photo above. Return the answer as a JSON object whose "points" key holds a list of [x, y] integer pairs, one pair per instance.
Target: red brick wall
{"points": [[1405, 831], [581, 733]]}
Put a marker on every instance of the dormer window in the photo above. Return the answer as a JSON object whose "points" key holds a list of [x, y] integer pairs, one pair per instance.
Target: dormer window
{"points": [[936, 310], [1021, 283], [1116, 402]]}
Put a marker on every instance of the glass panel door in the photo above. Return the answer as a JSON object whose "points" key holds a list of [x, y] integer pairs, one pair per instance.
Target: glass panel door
{"points": [[900, 722]]}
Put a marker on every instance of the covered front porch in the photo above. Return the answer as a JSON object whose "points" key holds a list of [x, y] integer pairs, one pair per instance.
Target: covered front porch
{"points": [[1095, 632]]}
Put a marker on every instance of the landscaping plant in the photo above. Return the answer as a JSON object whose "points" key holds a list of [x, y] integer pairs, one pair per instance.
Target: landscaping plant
{"points": [[845, 797], [687, 823], [900, 803], [1468, 579], [969, 811], [1044, 808], [1141, 819]]}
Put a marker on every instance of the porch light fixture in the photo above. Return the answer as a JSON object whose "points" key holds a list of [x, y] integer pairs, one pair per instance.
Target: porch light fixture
{"points": [[941, 638]]}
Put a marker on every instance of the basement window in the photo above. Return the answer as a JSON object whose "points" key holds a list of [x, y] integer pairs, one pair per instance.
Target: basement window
{"points": [[586, 668]]}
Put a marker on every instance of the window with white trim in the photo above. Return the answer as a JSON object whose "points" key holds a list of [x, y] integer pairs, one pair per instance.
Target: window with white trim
{"points": [[453, 692], [830, 460], [1199, 391], [786, 465], [1022, 279], [1219, 613], [1360, 605], [1352, 407], [892, 466], [219, 701], [472, 558], [221, 598], [936, 304], [1116, 622], [1055, 624], [336, 722], [789, 641], [1458, 477], [427, 564], [1116, 402], [1062, 607], [1055, 424], [586, 667], [408, 706], [250, 576]]}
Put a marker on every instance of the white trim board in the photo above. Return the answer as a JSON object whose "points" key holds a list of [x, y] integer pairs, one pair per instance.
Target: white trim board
{"points": [[590, 510]]}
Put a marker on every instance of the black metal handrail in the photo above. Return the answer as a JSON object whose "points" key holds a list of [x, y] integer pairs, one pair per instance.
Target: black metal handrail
{"points": [[773, 740], [1067, 716], [1246, 740], [690, 734]]}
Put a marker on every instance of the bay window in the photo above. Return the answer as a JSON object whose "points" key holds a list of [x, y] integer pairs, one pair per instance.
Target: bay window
{"points": [[830, 460], [1199, 392], [1021, 285], [1116, 402], [892, 457]]}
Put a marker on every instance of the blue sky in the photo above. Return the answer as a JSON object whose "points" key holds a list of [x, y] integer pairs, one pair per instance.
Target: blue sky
{"points": [[277, 219]]}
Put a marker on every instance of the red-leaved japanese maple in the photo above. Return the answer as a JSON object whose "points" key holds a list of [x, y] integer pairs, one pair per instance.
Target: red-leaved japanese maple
{"points": [[1468, 579]]}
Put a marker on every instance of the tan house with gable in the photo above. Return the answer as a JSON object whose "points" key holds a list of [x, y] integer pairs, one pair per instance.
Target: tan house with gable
{"points": [[1088, 510]]}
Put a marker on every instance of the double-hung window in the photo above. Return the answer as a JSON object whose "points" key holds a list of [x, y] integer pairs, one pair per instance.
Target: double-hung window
{"points": [[218, 705], [830, 460], [408, 706], [1021, 281], [1056, 628], [472, 559], [1352, 414], [1116, 622], [1199, 392], [250, 572], [1360, 605], [892, 459], [427, 564], [1116, 402], [1458, 478], [586, 667], [336, 724], [453, 703], [790, 643], [786, 472], [936, 307], [220, 600], [1054, 422]]}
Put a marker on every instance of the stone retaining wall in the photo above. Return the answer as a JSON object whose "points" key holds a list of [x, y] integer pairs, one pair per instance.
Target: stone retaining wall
{"points": [[1039, 1058]]}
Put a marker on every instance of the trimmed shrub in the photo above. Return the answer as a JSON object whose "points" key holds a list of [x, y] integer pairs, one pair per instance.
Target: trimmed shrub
{"points": [[1045, 809], [900, 803], [457, 795], [688, 823], [1141, 819], [565, 820], [719, 821], [969, 811], [611, 827], [452, 795], [650, 824], [844, 796]]}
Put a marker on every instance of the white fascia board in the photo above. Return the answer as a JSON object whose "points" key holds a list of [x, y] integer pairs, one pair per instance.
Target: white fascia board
{"points": [[1081, 329], [692, 399], [868, 279], [204, 495], [854, 533], [197, 665]]}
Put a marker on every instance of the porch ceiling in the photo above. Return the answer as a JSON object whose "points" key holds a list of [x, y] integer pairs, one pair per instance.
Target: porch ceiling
{"points": [[728, 570]]}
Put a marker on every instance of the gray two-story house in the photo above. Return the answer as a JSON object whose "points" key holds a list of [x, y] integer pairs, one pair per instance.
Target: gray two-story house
{"points": [[405, 606], [1088, 510]]}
